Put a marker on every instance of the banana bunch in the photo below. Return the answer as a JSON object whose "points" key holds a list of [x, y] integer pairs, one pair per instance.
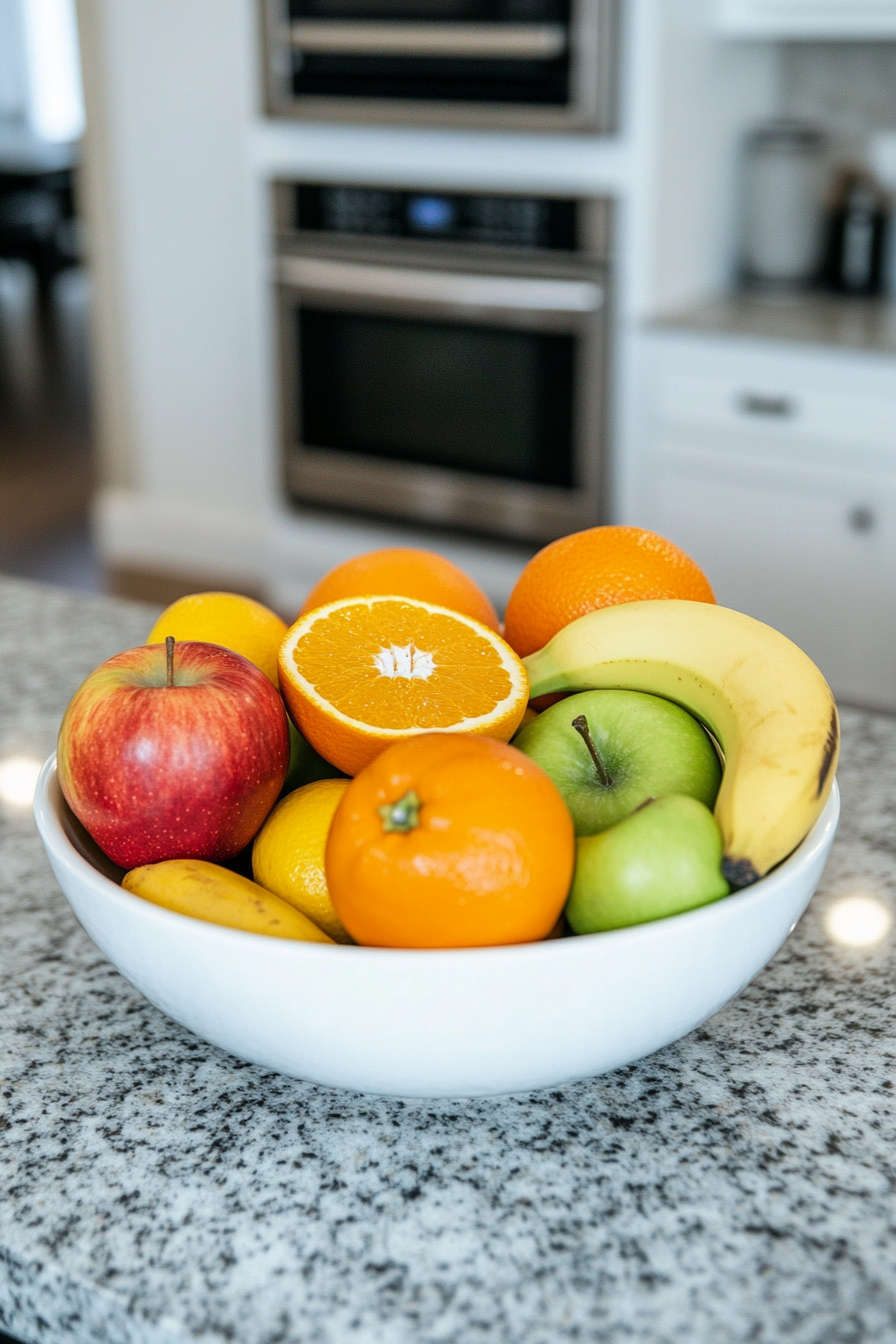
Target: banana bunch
{"points": [[763, 699]]}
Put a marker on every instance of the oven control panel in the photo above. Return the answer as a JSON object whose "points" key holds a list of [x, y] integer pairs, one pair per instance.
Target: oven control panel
{"points": [[506, 221]]}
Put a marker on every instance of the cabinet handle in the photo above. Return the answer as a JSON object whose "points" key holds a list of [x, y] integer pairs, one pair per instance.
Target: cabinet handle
{"points": [[756, 403], [861, 519]]}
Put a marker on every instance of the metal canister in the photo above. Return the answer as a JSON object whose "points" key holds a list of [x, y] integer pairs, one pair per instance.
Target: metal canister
{"points": [[783, 203]]}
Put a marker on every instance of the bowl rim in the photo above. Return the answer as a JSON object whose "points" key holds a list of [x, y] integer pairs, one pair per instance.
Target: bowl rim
{"points": [[48, 795]]}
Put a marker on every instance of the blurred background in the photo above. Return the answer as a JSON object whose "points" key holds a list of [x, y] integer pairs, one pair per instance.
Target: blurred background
{"points": [[282, 280], [46, 463]]}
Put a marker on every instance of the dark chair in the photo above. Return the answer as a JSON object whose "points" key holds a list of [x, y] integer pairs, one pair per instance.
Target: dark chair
{"points": [[37, 222]]}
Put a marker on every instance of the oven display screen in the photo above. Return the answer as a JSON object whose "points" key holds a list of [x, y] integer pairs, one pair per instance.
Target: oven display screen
{"points": [[431, 214], [487, 400], [495, 221]]}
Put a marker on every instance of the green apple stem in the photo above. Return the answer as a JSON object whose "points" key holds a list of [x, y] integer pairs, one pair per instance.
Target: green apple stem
{"points": [[581, 726], [402, 816], [169, 658]]}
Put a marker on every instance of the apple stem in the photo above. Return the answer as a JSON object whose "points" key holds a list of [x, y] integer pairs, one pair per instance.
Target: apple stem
{"points": [[402, 816], [169, 658], [581, 726]]}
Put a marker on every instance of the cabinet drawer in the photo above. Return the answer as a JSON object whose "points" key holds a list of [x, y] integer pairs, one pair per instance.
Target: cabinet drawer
{"points": [[766, 403], [745, 394]]}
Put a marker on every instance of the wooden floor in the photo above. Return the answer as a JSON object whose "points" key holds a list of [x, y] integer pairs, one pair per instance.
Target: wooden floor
{"points": [[46, 482], [46, 468], [46, 465]]}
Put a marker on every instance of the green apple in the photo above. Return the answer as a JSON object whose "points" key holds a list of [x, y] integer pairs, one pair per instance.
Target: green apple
{"points": [[609, 751], [662, 860]]}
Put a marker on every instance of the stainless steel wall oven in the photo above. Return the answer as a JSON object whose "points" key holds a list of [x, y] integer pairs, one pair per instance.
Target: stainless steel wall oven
{"points": [[535, 64], [443, 355]]}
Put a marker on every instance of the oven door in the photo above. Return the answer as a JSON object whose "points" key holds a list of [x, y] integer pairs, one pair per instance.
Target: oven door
{"points": [[472, 401], [544, 64]]}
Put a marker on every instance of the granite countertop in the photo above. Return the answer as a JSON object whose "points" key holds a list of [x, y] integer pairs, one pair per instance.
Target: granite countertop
{"points": [[737, 1186], [802, 318]]}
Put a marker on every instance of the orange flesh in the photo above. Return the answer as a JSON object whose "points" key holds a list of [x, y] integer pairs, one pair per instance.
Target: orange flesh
{"points": [[459, 674]]}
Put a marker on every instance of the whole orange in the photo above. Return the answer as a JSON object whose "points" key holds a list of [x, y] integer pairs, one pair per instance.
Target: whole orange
{"points": [[601, 567], [404, 571], [447, 840]]}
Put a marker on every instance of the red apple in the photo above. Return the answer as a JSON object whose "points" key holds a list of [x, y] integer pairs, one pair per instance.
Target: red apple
{"points": [[186, 766]]}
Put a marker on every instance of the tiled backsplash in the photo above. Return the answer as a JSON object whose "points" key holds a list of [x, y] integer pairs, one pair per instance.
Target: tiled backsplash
{"points": [[848, 87]]}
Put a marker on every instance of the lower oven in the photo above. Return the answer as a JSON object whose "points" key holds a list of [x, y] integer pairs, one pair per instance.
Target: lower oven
{"points": [[444, 357]]}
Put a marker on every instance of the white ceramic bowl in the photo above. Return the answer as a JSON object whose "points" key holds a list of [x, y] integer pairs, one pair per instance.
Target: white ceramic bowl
{"points": [[434, 1024]]}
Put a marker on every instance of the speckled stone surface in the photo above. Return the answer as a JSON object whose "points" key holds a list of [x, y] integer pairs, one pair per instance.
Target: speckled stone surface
{"points": [[801, 318], [738, 1186]]}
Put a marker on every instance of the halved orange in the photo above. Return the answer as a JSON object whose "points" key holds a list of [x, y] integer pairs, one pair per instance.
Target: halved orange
{"points": [[364, 672]]}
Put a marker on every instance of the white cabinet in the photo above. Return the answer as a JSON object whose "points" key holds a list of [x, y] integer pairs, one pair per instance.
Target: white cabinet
{"points": [[814, 558], [792, 516], [807, 19]]}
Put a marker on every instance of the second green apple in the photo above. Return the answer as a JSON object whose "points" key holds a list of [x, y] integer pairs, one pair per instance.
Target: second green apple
{"points": [[608, 752], [663, 860]]}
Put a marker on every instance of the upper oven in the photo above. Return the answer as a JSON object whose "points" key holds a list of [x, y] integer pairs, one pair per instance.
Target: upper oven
{"points": [[530, 64], [443, 356]]}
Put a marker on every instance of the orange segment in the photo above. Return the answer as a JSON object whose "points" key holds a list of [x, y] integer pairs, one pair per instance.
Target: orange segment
{"points": [[362, 673]]}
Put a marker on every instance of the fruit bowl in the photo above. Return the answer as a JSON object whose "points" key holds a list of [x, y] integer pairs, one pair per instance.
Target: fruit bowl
{"points": [[443, 1023]]}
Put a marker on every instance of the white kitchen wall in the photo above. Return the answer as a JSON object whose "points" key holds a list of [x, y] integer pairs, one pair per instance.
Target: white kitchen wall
{"points": [[171, 93]]}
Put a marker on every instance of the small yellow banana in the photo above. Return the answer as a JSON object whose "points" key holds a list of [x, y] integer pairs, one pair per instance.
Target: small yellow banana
{"points": [[218, 896], [761, 697]]}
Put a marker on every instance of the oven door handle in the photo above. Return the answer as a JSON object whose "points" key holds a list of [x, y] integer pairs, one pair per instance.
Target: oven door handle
{"points": [[476, 293], [511, 41]]}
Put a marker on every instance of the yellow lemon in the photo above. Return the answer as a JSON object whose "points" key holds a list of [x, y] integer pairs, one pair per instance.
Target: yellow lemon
{"points": [[239, 623], [288, 854], [216, 895]]}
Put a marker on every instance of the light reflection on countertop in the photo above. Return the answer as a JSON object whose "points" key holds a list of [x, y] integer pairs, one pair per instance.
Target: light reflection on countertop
{"points": [[18, 778], [858, 920]]}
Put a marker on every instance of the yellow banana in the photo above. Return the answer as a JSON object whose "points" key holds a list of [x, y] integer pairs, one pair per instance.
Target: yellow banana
{"points": [[218, 896], [761, 697]]}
